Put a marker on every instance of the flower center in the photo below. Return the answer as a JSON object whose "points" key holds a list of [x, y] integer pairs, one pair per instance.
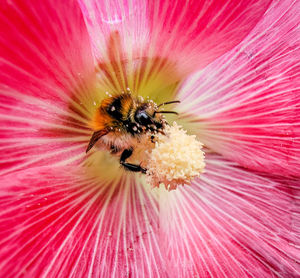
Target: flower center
{"points": [[117, 76], [136, 132]]}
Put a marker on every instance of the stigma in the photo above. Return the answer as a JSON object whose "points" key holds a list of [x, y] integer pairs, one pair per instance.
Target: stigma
{"points": [[176, 159]]}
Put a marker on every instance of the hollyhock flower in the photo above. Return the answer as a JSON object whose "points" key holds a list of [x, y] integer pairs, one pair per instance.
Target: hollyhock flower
{"points": [[235, 67]]}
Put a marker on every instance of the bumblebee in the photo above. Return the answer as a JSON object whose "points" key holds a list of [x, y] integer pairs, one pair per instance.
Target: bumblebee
{"points": [[122, 120]]}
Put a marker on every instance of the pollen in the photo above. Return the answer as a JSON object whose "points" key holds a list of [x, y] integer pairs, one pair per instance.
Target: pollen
{"points": [[176, 159]]}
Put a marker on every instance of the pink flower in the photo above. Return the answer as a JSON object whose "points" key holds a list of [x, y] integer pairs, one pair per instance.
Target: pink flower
{"points": [[235, 67]]}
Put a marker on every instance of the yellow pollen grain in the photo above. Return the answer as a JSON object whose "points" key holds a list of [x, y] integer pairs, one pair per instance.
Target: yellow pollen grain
{"points": [[176, 159]]}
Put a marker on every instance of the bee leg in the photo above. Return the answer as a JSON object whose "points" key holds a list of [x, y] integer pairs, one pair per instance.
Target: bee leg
{"points": [[113, 149], [129, 166]]}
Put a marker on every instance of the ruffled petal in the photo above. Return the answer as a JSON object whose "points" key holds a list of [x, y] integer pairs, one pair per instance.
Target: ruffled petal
{"points": [[44, 48], [246, 105], [229, 223], [46, 69], [145, 41]]}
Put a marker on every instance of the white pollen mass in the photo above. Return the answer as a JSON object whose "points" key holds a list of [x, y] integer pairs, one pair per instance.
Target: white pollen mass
{"points": [[176, 159]]}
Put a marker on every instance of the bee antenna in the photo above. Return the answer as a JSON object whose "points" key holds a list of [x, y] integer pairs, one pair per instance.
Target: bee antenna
{"points": [[167, 112], [169, 102]]}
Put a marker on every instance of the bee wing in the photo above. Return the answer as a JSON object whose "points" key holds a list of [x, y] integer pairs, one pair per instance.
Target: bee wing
{"points": [[95, 137]]}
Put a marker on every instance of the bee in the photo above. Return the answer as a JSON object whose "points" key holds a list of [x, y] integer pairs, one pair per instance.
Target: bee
{"points": [[122, 120]]}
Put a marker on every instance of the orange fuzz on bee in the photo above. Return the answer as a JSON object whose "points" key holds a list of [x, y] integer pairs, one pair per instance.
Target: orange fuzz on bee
{"points": [[122, 121]]}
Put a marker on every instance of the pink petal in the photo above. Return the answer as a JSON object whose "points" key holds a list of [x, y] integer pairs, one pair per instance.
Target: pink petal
{"points": [[46, 66], [63, 224], [230, 223], [233, 223], [35, 133], [44, 48], [247, 103], [187, 34]]}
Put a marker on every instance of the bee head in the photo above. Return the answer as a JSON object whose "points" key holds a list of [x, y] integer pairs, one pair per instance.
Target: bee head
{"points": [[145, 116]]}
